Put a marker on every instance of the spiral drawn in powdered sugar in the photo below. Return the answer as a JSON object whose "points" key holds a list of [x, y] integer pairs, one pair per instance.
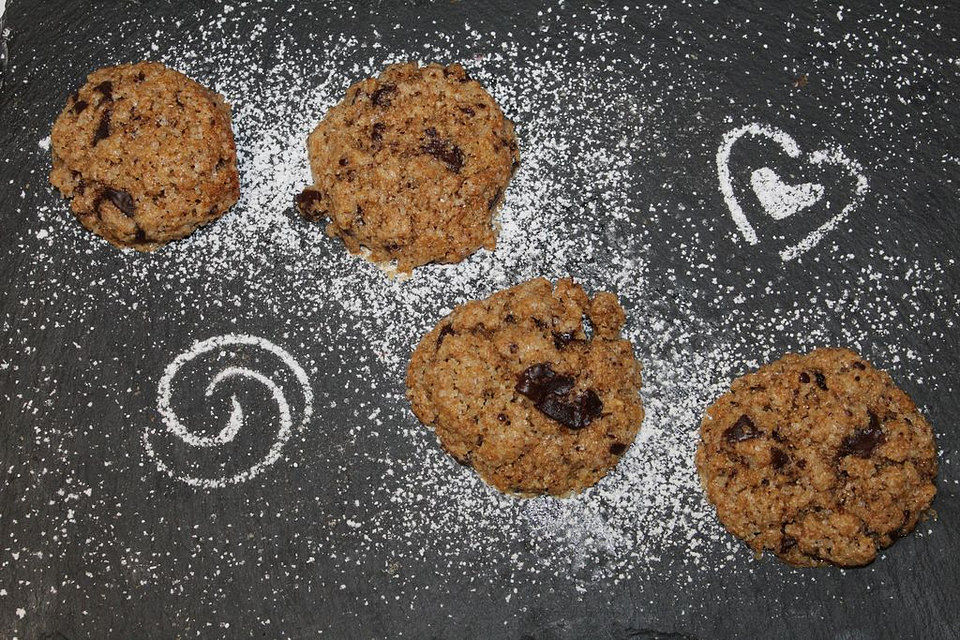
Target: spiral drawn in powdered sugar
{"points": [[220, 348]]}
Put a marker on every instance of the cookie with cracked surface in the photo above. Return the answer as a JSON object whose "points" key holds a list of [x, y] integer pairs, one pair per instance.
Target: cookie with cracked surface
{"points": [[411, 166], [146, 154], [819, 458], [521, 389]]}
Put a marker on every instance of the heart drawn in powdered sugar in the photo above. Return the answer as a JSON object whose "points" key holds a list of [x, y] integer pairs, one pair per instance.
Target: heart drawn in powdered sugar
{"points": [[778, 199], [781, 200]]}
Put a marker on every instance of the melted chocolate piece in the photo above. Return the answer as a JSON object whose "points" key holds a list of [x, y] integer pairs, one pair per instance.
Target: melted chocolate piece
{"points": [[904, 528], [862, 442], [443, 150], [482, 330], [617, 448], [97, 201], [468, 111], [121, 200], [444, 332], [859, 365], [103, 129], [591, 406], [575, 413], [821, 380], [540, 380], [805, 377], [742, 429], [141, 77], [778, 458], [376, 133], [381, 95], [787, 543], [494, 200], [560, 340], [79, 106], [308, 203], [106, 88], [81, 184], [550, 391], [463, 78]]}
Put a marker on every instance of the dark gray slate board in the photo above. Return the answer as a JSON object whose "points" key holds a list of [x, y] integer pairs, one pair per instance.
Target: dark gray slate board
{"points": [[361, 527]]}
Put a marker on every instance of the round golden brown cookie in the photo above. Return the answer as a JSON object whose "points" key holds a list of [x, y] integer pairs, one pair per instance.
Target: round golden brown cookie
{"points": [[819, 458], [411, 166], [146, 154], [518, 388]]}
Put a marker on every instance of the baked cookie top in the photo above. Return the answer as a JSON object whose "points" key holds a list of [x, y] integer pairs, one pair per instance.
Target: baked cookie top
{"points": [[411, 166], [519, 388], [146, 154], [819, 458]]}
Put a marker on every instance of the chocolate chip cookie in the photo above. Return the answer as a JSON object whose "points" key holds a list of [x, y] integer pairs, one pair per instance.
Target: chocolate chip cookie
{"points": [[521, 389], [411, 166], [146, 154], [819, 458]]}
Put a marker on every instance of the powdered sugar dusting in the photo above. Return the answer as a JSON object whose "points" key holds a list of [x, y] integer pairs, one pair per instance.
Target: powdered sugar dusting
{"points": [[610, 190]]}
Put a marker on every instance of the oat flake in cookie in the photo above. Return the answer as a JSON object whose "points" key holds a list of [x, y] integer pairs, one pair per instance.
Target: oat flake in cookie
{"points": [[146, 154], [818, 458], [516, 387], [411, 166]]}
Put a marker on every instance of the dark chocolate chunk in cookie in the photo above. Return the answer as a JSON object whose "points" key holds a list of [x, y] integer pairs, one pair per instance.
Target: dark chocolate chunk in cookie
{"points": [[121, 200], [539, 380], [821, 379], [563, 338], [550, 393], [105, 89], [103, 129], [742, 429], [381, 95], [576, 412], [445, 331], [618, 448], [778, 458], [446, 151], [309, 203], [862, 442]]}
